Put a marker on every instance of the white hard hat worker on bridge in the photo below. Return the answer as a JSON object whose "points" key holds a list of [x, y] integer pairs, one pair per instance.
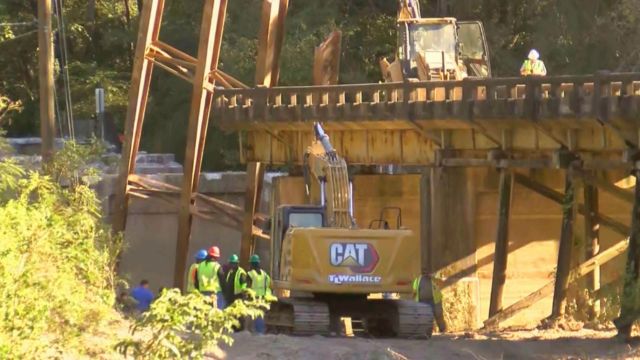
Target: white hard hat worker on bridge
{"points": [[533, 66]]}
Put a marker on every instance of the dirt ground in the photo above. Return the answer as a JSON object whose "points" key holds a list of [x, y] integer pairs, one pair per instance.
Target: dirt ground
{"points": [[533, 344]]}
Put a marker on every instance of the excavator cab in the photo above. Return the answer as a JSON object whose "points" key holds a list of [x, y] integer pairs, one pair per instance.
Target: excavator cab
{"points": [[438, 49], [474, 51], [292, 216]]}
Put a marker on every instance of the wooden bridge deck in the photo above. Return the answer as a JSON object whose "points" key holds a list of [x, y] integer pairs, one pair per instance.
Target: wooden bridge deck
{"points": [[596, 115]]}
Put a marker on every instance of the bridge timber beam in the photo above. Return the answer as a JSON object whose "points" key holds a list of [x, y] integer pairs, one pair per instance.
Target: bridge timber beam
{"points": [[405, 123]]}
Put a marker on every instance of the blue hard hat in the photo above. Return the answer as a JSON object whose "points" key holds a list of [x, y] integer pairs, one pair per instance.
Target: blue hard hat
{"points": [[201, 254]]}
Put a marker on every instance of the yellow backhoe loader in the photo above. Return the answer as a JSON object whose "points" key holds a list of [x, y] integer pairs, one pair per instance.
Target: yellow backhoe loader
{"points": [[436, 48], [324, 267]]}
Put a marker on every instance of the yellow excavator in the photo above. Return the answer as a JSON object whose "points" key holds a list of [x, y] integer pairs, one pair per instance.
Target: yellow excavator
{"points": [[436, 48], [325, 268]]}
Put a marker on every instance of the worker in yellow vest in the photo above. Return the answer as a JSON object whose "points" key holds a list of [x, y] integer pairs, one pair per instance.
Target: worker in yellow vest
{"points": [[235, 280], [210, 275], [533, 66], [426, 291], [192, 274], [259, 281]]}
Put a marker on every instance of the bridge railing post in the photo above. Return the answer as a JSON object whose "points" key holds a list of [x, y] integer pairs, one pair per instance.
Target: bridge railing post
{"points": [[469, 93], [601, 107], [533, 93]]}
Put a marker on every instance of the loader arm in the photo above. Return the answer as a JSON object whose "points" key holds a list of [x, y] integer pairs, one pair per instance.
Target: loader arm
{"points": [[330, 171]]}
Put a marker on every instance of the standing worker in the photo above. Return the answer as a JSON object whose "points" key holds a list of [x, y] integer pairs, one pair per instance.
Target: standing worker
{"points": [[192, 275], [427, 292], [210, 276], [533, 66], [235, 281], [259, 281]]}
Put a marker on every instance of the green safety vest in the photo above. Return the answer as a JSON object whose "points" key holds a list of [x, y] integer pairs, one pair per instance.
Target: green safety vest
{"points": [[437, 294], [191, 280], [533, 68], [208, 276], [238, 288], [260, 283]]}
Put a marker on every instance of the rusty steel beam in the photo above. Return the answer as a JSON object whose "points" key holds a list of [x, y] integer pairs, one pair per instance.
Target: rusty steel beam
{"points": [[326, 60], [150, 20], [211, 30], [253, 195], [270, 40]]}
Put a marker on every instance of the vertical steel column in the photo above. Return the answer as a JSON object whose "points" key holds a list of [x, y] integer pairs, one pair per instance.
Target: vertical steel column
{"points": [[150, 20], [211, 30], [253, 196]]}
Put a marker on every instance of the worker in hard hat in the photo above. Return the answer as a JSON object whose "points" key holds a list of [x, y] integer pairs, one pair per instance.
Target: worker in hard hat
{"points": [[235, 280], [259, 281], [192, 274], [426, 291], [234, 284], [533, 66], [210, 275]]}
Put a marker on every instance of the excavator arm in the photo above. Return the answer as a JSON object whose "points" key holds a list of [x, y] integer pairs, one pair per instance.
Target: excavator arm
{"points": [[330, 171]]}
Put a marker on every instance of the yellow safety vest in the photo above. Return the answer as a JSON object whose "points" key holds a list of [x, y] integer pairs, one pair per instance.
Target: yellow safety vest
{"points": [[260, 283], [208, 276], [191, 286], [531, 68], [437, 294], [238, 288]]}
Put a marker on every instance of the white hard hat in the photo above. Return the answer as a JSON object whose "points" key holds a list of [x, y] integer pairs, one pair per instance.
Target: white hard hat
{"points": [[533, 54]]}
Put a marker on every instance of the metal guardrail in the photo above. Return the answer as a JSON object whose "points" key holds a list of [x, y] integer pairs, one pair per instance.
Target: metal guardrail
{"points": [[603, 96]]}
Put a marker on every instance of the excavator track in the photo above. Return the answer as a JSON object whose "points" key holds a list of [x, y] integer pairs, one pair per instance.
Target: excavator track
{"points": [[415, 320], [298, 317]]}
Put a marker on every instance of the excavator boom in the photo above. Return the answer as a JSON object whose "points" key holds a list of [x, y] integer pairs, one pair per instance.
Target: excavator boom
{"points": [[330, 172]]}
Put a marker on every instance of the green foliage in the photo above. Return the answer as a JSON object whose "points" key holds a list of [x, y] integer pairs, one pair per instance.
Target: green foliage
{"points": [[56, 266], [71, 163], [185, 326]]}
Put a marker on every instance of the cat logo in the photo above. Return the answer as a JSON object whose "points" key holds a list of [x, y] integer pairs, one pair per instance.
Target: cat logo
{"points": [[359, 257]]}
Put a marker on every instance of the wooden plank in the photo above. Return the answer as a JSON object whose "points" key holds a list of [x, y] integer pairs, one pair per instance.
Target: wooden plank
{"points": [[547, 289], [213, 16], [501, 252], [150, 20], [628, 311], [566, 245], [255, 180], [558, 197]]}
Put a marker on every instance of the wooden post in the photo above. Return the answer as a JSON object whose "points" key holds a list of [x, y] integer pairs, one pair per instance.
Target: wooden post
{"points": [[150, 20], [577, 272], [255, 179], [426, 245], [592, 240], [564, 251], [211, 29], [628, 311], [45, 62], [501, 252]]}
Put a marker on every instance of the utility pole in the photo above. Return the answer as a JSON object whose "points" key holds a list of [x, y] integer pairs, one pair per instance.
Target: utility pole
{"points": [[45, 60]]}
